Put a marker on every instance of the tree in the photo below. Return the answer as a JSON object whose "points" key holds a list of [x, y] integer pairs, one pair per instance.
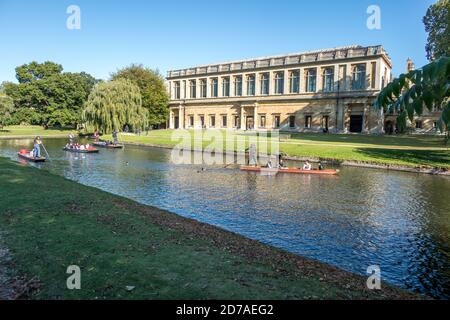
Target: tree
{"points": [[36, 71], [154, 94], [6, 109], [428, 87], [46, 95], [114, 104], [437, 25]]}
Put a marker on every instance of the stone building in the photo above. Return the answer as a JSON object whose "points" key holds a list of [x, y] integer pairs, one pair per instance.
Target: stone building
{"points": [[329, 90]]}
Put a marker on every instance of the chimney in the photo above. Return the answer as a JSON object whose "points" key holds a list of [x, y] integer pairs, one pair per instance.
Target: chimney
{"points": [[410, 65]]}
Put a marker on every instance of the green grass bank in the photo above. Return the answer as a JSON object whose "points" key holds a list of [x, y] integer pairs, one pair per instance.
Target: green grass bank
{"points": [[402, 150], [49, 223]]}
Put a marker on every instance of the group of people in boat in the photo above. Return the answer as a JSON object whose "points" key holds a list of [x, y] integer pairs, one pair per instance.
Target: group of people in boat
{"points": [[306, 166], [114, 136], [77, 146]]}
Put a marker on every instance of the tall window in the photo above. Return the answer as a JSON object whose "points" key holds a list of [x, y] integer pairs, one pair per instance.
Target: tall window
{"points": [[177, 90], [359, 77], [251, 85], [224, 121], [308, 122], [276, 122], [193, 89], [279, 83], [238, 86], [214, 88], [191, 121], [310, 80], [203, 88], [328, 79], [265, 83], [291, 121], [373, 73], [262, 121], [237, 121], [294, 82], [226, 87], [212, 121]]}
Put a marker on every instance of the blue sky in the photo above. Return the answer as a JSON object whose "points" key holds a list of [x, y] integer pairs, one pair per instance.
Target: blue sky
{"points": [[176, 34]]}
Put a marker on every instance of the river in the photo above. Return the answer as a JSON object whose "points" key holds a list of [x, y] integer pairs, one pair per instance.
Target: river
{"points": [[363, 217]]}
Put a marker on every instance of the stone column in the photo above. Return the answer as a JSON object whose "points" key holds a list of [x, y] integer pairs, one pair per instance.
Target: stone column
{"points": [[171, 115], [232, 78], [242, 119], [286, 82], [255, 117], [208, 87], [257, 84], [181, 112], [271, 83], [244, 85], [301, 79], [319, 79], [219, 87]]}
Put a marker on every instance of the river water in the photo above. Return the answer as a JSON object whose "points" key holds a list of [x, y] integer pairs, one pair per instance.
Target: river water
{"points": [[398, 221]]}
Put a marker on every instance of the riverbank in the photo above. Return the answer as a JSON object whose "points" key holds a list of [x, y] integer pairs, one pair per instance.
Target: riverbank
{"points": [[131, 251], [415, 154], [25, 132]]}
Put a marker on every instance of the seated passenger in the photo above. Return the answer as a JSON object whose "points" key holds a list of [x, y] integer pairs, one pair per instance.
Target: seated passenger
{"points": [[307, 166], [321, 166], [269, 164]]}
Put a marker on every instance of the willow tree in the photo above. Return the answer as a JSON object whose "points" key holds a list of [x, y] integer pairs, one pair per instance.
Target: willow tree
{"points": [[113, 105], [411, 93], [6, 109]]}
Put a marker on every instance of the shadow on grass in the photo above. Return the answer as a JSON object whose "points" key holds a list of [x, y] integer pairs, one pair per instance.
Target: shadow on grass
{"points": [[439, 159]]}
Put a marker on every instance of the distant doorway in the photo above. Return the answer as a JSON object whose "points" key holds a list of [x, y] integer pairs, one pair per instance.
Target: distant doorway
{"points": [[177, 122], [250, 123], [356, 123]]}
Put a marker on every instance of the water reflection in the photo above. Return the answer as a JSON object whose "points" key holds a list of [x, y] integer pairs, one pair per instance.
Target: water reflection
{"points": [[399, 221]]}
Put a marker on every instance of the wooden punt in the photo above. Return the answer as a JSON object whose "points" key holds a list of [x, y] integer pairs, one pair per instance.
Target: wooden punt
{"points": [[108, 145], [73, 150], [289, 170], [27, 157]]}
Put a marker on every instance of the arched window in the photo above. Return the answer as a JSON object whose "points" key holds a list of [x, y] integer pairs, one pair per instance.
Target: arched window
{"points": [[251, 85], [294, 82], [265, 84], [328, 79], [279, 83], [193, 89], [310, 80], [359, 77]]}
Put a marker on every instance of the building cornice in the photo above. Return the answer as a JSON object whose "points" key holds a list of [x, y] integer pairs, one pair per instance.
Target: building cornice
{"points": [[282, 61]]}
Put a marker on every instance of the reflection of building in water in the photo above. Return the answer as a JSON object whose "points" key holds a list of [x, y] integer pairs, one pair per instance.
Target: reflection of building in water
{"points": [[325, 90]]}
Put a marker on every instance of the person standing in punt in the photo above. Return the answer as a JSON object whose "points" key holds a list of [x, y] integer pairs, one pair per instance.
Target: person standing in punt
{"points": [[37, 147], [114, 135]]}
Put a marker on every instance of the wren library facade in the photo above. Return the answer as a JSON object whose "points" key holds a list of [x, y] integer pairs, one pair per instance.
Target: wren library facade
{"points": [[330, 90]]}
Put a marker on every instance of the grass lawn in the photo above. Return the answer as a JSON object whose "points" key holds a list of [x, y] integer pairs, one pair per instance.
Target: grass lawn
{"points": [[32, 131], [49, 223], [407, 150]]}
